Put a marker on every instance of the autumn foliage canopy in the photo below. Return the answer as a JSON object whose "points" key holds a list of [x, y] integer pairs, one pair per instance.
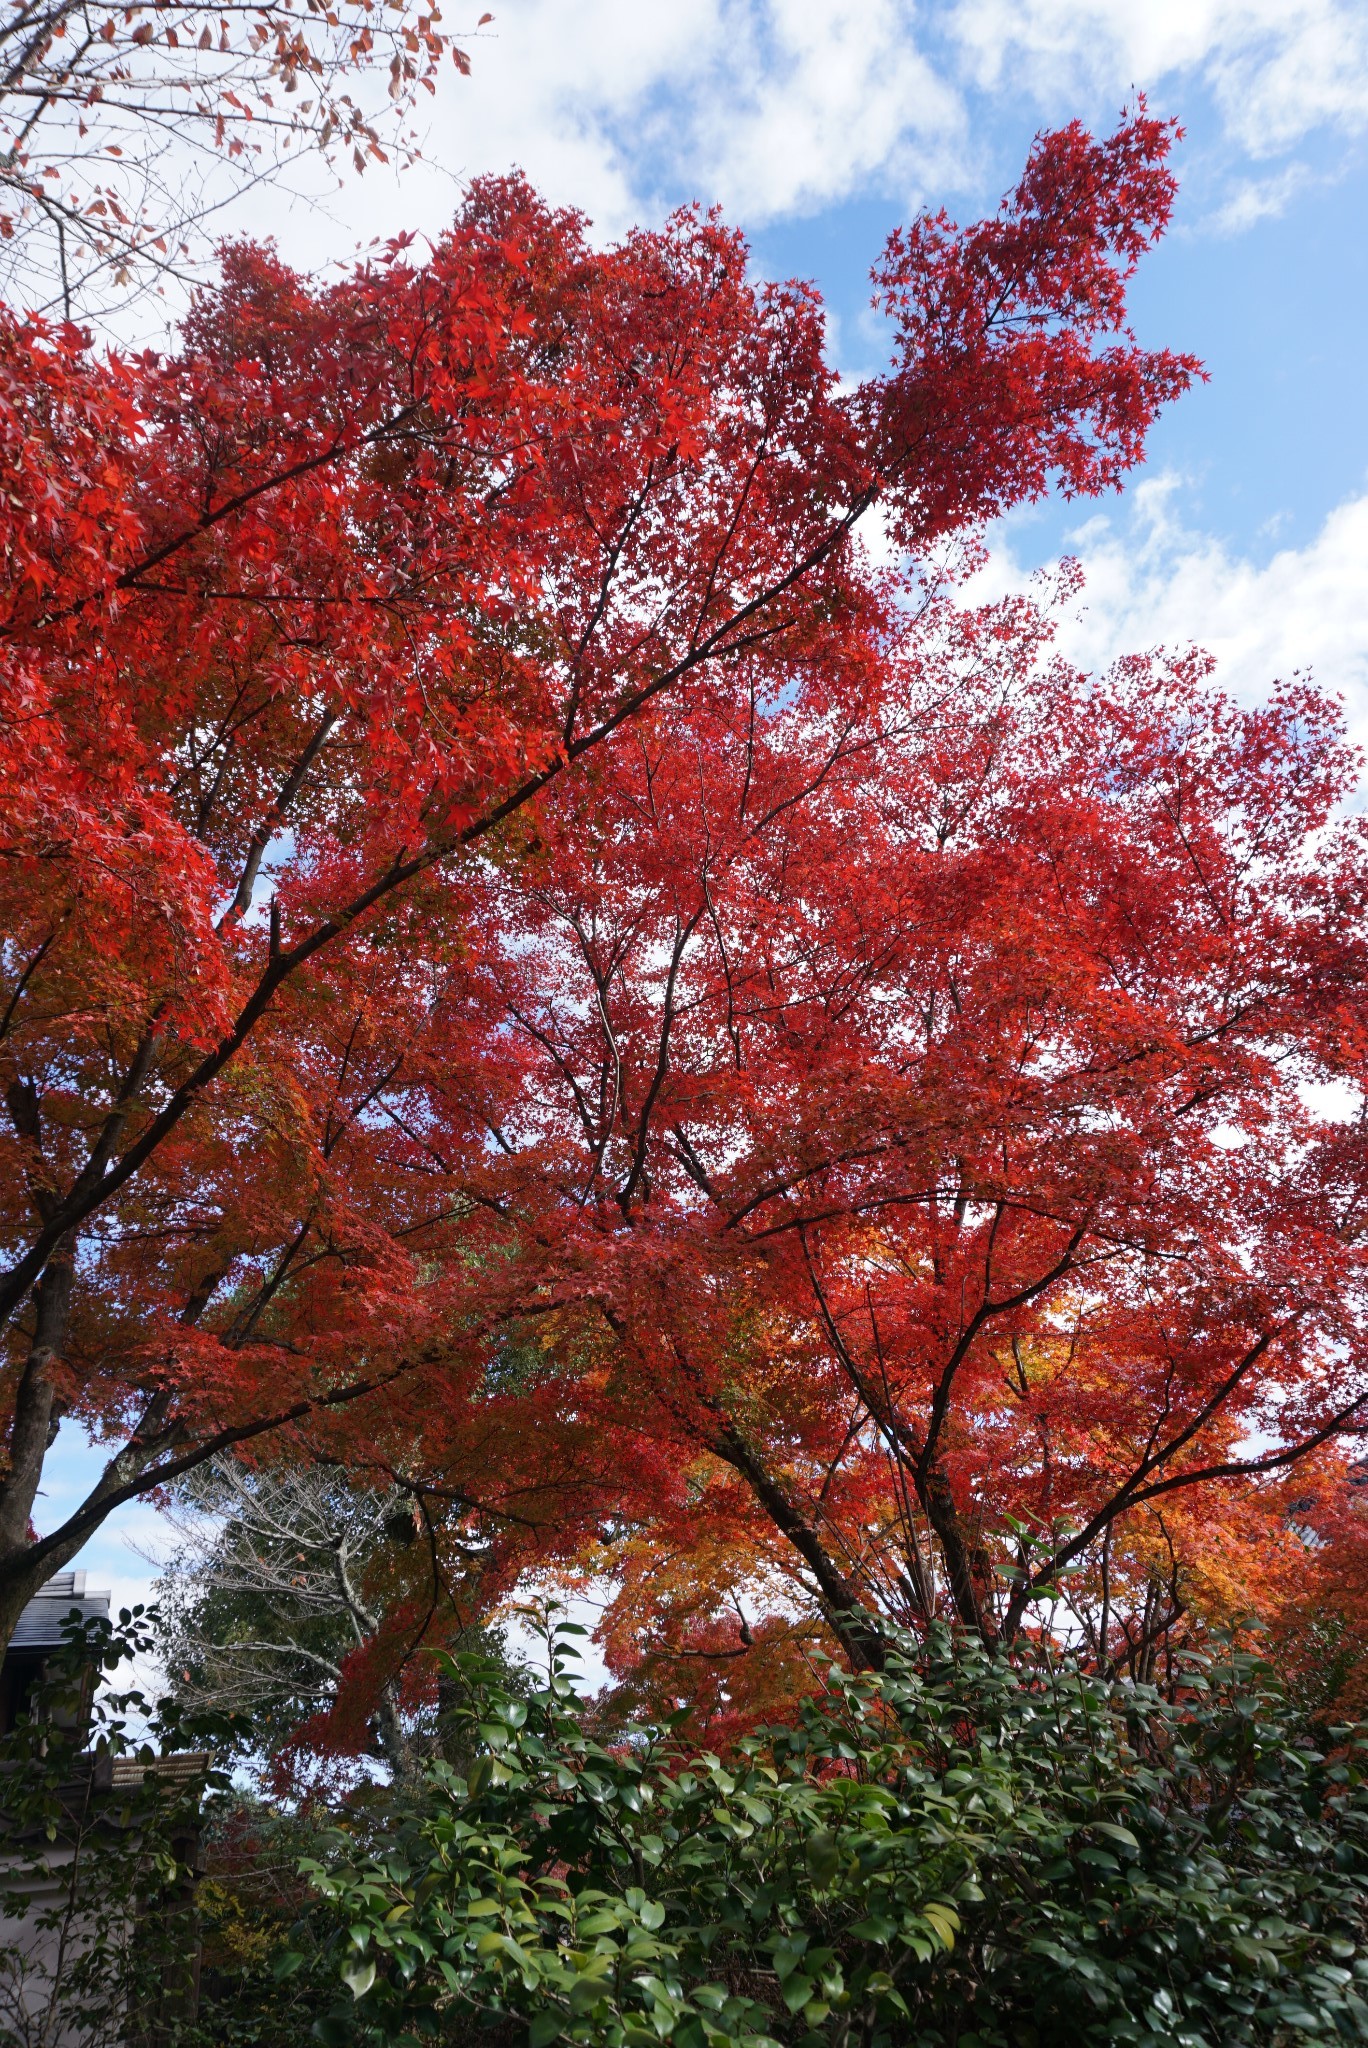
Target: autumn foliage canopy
{"points": [[539, 967]]}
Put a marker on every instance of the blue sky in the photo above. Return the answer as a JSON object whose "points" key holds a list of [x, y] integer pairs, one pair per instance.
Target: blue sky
{"points": [[819, 124]]}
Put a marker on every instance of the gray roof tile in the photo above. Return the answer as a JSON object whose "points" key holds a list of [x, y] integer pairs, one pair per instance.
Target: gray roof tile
{"points": [[40, 1625]]}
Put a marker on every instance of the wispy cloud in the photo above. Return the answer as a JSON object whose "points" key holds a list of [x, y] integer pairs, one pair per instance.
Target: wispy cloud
{"points": [[784, 107], [771, 107], [1151, 581], [1275, 68], [1251, 200]]}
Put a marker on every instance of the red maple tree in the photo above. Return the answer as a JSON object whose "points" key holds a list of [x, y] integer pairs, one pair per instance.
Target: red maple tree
{"points": [[376, 628], [954, 1066]]}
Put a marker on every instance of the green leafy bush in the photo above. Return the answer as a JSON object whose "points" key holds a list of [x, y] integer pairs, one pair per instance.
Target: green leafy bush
{"points": [[959, 1850]]}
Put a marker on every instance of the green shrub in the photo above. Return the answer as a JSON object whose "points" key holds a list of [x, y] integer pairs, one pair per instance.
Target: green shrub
{"points": [[960, 1850]]}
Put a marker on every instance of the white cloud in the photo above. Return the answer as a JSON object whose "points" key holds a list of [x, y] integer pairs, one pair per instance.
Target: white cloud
{"points": [[771, 107], [1150, 582], [1276, 68], [783, 107], [1254, 199], [808, 103]]}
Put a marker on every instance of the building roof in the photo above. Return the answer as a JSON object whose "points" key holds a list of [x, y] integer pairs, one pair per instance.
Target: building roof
{"points": [[40, 1625]]}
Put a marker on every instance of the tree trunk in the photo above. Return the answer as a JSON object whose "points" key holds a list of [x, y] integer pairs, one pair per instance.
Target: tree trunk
{"points": [[968, 1568], [33, 1427], [856, 1629]]}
